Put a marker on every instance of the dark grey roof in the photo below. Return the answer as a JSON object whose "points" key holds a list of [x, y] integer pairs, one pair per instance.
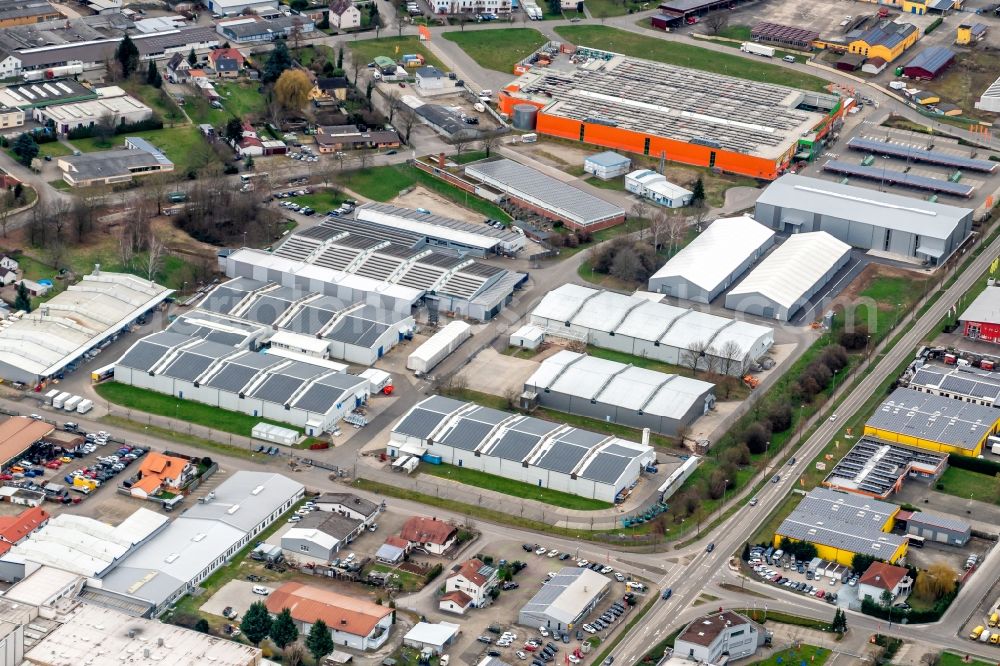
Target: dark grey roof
{"points": [[606, 467], [974, 383], [193, 361], [278, 388], [515, 445], [148, 351], [440, 403], [86, 52], [356, 331], [561, 197], [111, 163], [363, 506], [935, 520], [844, 521], [876, 468], [329, 391], [467, 434], [582, 437], [237, 372], [935, 418], [563, 457], [158, 42]]}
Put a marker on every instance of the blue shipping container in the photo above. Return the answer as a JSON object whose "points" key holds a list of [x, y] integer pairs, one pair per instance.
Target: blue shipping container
{"points": [[431, 459]]}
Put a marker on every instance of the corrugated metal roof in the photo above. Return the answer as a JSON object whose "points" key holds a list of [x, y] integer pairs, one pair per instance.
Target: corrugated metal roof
{"points": [[985, 309], [931, 60], [935, 418]]}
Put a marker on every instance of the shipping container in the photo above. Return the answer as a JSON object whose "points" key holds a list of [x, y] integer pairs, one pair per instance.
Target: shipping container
{"points": [[431, 459], [51, 395], [438, 347]]}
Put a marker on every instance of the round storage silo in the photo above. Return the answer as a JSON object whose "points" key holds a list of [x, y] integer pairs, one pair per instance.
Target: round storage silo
{"points": [[525, 116]]}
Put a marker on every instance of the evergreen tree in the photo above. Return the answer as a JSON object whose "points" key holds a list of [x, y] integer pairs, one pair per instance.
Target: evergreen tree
{"points": [[201, 625], [319, 642], [192, 58], [256, 624], [153, 76], [25, 148], [234, 130], [746, 552], [698, 193], [340, 58], [279, 60], [23, 300], [283, 629], [127, 56]]}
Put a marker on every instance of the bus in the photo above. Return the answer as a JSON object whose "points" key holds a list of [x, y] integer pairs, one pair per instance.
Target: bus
{"points": [[915, 541], [99, 375]]}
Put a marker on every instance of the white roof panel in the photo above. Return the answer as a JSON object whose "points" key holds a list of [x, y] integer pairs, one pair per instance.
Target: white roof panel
{"points": [[563, 303], [790, 271], [714, 255]]}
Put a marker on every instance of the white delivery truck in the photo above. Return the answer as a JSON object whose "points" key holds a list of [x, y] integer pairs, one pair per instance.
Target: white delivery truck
{"points": [[58, 401], [84, 406], [71, 403], [529, 138], [51, 395], [757, 49]]}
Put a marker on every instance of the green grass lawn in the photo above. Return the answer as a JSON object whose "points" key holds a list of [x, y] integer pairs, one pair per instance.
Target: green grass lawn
{"points": [[471, 477], [499, 49], [185, 146], [151, 402], [238, 99], [613, 184], [740, 32], [394, 48], [952, 659], [157, 99], [893, 297], [54, 149], [60, 184], [385, 183], [676, 53], [969, 485], [807, 654], [321, 200], [409, 582]]}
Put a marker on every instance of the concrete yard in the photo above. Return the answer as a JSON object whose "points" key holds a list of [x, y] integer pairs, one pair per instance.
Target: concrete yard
{"points": [[235, 593]]}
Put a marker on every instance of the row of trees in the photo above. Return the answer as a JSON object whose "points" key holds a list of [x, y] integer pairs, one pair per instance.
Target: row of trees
{"points": [[257, 624]]}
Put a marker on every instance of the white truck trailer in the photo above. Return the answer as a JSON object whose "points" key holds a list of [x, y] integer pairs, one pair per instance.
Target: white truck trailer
{"points": [[71, 403], [85, 406], [442, 343], [57, 402], [757, 49]]}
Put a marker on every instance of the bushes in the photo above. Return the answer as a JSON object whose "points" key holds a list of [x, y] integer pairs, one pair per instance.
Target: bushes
{"points": [[933, 26], [854, 340], [756, 438], [875, 609], [626, 260], [979, 465], [780, 417], [147, 125], [817, 375]]}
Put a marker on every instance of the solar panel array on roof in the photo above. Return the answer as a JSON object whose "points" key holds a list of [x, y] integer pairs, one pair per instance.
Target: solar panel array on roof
{"points": [[901, 178], [918, 154], [192, 361], [420, 423], [562, 456], [934, 418], [877, 468], [329, 390], [959, 383], [606, 467], [228, 295]]}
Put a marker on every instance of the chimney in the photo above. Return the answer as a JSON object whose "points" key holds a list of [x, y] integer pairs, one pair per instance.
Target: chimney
{"points": [[145, 653], [441, 160], [159, 642], [645, 436], [97, 269]]}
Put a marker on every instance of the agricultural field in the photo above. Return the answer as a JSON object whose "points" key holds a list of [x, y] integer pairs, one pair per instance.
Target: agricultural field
{"points": [[500, 49]]}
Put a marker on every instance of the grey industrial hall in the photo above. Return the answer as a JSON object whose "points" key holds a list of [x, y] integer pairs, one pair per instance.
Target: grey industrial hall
{"points": [[863, 218]]}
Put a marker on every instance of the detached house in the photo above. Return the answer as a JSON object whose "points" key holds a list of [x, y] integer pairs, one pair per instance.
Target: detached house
{"points": [[344, 15], [475, 579], [881, 578], [433, 535], [328, 89], [178, 68], [162, 472]]}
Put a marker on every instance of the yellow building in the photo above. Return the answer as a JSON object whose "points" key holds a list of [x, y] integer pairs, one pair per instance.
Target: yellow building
{"points": [[918, 7], [842, 525], [887, 40], [964, 35], [933, 422]]}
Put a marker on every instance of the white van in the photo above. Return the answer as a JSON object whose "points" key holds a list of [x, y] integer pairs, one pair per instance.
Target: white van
{"points": [[529, 138], [261, 590]]}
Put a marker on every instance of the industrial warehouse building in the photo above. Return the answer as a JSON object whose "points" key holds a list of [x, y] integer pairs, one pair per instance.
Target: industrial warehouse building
{"points": [[878, 469], [939, 529], [648, 329], [466, 238], [651, 185], [554, 199], [929, 63], [542, 453], [360, 262], [791, 275], [565, 599], [981, 319], [864, 218], [308, 395], [714, 260], [933, 422], [980, 387], [304, 325], [55, 337], [618, 393], [607, 165], [685, 115], [203, 538], [842, 525]]}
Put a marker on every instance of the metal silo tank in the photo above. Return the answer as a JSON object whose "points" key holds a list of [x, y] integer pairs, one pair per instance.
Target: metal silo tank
{"points": [[525, 116]]}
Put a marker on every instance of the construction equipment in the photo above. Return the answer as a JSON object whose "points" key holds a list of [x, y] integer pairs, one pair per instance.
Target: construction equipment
{"points": [[751, 382]]}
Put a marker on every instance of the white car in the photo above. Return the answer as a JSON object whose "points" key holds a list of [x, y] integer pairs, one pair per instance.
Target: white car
{"points": [[544, 632], [509, 634], [583, 563], [606, 570], [589, 629], [553, 552], [502, 643], [261, 590], [521, 655], [619, 577], [573, 659], [541, 550]]}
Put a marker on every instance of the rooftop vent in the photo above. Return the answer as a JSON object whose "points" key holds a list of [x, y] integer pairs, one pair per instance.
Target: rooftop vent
{"points": [[198, 537], [233, 509], [172, 557], [257, 491]]}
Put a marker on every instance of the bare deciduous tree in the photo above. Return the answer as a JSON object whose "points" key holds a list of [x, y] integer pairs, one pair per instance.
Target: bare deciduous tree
{"points": [[409, 120], [730, 358], [461, 140], [7, 204], [394, 103], [491, 142], [716, 22], [693, 355], [152, 261], [675, 229], [363, 157]]}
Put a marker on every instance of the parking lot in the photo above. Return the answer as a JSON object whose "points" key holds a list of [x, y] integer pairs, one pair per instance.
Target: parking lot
{"points": [[501, 615], [236, 595]]}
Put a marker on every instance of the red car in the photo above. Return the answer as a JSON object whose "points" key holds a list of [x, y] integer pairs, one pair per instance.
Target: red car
{"points": [[530, 647], [53, 464], [6, 477]]}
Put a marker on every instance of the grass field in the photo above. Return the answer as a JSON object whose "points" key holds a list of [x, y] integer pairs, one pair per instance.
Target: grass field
{"points": [[952, 659], [676, 53], [158, 100], [183, 145], [740, 32], [321, 200], [471, 477], [804, 654], [151, 402], [54, 149], [969, 485], [392, 47], [238, 99], [385, 183], [500, 49]]}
